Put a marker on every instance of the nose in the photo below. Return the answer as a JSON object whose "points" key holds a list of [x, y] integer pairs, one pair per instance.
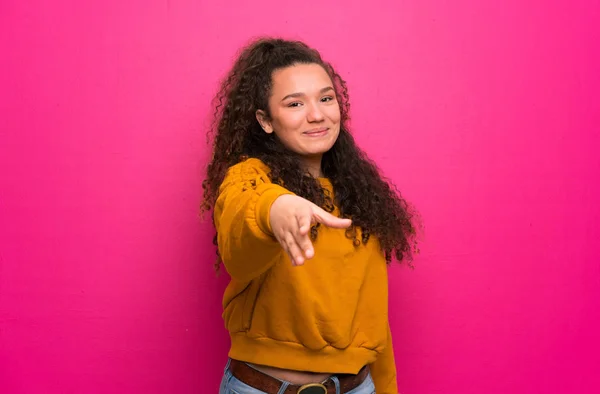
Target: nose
{"points": [[315, 114]]}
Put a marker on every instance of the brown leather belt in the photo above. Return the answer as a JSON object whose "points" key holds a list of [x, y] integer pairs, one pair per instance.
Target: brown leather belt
{"points": [[271, 385]]}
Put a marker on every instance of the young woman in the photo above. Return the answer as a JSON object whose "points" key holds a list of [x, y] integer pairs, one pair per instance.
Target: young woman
{"points": [[305, 226]]}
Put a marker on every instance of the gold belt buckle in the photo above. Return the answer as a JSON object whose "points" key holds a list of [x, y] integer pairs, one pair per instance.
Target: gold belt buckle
{"points": [[313, 388]]}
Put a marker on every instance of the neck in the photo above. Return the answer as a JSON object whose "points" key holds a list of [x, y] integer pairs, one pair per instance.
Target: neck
{"points": [[313, 165]]}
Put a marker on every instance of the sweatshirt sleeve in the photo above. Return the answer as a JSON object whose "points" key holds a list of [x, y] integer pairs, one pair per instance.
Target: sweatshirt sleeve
{"points": [[244, 236], [383, 370]]}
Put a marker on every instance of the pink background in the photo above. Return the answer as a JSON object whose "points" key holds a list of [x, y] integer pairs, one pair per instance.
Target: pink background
{"points": [[485, 114]]}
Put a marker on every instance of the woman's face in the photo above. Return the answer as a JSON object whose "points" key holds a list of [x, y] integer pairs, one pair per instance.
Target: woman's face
{"points": [[305, 113]]}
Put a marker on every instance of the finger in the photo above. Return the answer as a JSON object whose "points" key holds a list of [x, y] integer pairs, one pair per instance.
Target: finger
{"points": [[303, 241], [329, 220], [284, 246], [286, 249], [304, 222], [294, 250]]}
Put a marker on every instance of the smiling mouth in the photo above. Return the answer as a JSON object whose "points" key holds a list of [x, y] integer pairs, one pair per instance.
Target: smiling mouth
{"points": [[317, 132]]}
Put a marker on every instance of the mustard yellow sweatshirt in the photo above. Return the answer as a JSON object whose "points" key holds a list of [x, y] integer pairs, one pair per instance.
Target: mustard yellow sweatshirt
{"points": [[329, 315]]}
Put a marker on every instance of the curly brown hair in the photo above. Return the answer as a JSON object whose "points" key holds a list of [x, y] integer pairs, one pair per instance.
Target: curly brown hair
{"points": [[361, 192]]}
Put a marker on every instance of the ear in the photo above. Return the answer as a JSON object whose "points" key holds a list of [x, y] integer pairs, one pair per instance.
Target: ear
{"points": [[264, 121]]}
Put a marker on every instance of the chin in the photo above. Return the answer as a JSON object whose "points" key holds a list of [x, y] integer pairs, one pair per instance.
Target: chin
{"points": [[317, 152], [320, 148]]}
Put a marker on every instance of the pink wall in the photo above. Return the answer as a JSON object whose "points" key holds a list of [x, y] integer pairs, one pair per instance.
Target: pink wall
{"points": [[486, 116]]}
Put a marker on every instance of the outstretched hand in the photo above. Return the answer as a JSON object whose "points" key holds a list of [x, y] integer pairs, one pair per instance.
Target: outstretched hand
{"points": [[291, 218]]}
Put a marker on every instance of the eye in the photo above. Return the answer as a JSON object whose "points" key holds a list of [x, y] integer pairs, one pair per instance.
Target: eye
{"points": [[327, 98], [294, 104]]}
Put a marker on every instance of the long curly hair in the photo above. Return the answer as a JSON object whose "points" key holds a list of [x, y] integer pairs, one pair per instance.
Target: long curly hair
{"points": [[360, 191]]}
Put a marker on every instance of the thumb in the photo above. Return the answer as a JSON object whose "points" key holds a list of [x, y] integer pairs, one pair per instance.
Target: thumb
{"points": [[329, 220]]}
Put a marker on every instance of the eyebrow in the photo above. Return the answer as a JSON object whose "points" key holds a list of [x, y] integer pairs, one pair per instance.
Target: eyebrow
{"points": [[294, 95]]}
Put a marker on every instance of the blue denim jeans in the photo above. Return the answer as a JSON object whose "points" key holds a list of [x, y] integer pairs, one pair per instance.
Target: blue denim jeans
{"points": [[231, 385]]}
